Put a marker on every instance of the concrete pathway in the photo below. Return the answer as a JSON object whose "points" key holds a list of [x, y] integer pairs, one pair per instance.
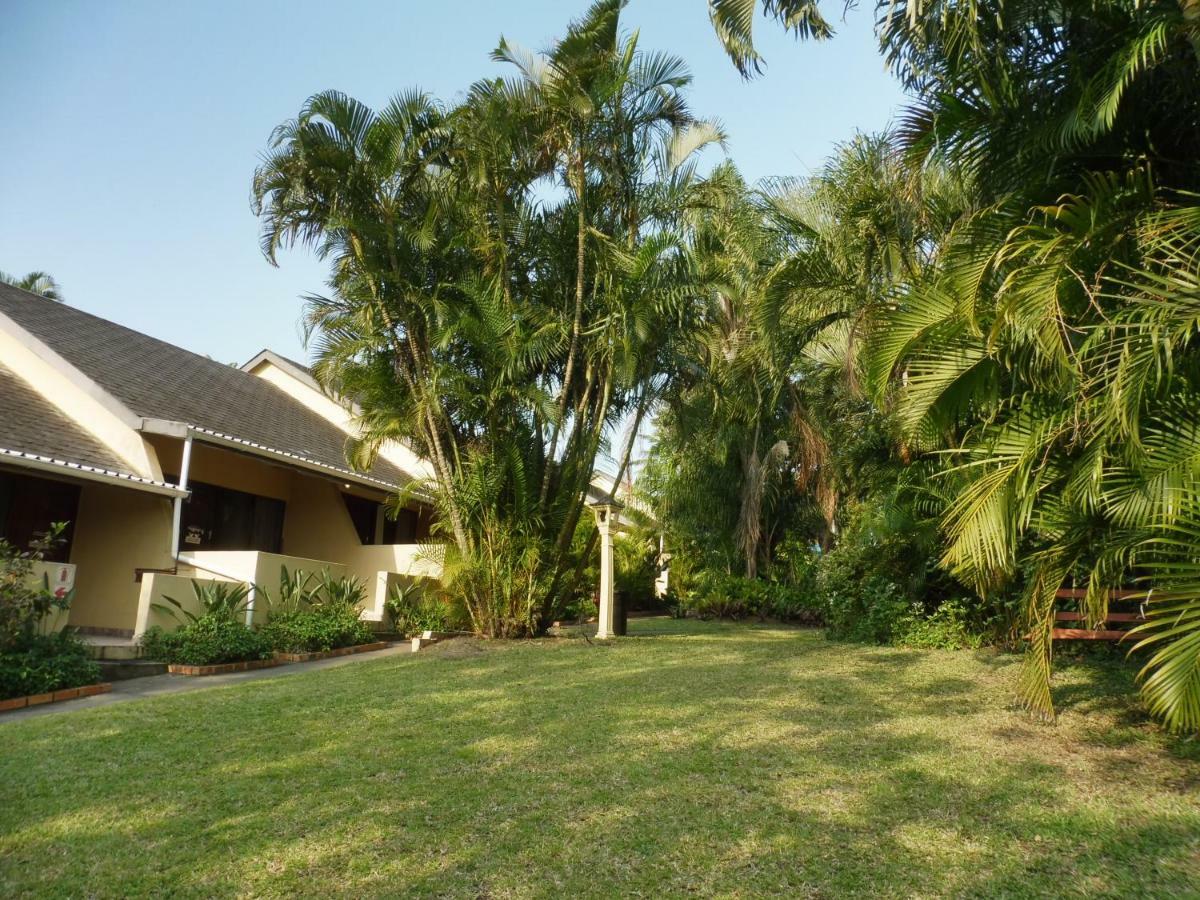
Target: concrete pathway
{"points": [[157, 685]]}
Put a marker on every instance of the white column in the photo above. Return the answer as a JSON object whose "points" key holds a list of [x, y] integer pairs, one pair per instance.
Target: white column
{"points": [[605, 627]]}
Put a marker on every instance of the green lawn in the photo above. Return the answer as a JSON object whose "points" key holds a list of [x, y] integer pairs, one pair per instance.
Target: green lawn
{"points": [[690, 759]]}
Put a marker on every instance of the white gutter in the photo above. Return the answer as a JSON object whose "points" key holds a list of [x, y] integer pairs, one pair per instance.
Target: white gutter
{"points": [[88, 473], [216, 437]]}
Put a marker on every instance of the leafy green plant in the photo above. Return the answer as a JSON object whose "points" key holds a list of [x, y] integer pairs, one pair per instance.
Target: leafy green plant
{"points": [[339, 590], [222, 600], [41, 663], [209, 639], [719, 595], [948, 628], [24, 603], [296, 591], [31, 662], [316, 612], [870, 611], [675, 604], [325, 626], [412, 609]]}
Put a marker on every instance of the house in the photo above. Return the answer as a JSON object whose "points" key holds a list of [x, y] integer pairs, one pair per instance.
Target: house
{"points": [[169, 466]]}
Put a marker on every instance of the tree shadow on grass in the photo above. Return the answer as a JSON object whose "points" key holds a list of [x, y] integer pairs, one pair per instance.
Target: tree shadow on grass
{"points": [[750, 766]]}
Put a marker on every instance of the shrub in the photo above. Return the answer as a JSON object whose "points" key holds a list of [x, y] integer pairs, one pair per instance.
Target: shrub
{"points": [[24, 603], [209, 640], [946, 629], [33, 663], [37, 664], [717, 595], [676, 605], [314, 613], [324, 626], [789, 603], [869, 611], [412, 610]]}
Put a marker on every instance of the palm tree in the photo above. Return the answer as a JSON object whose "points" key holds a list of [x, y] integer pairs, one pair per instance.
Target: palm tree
{"points": [[1050, 352], [502, 333], [733, 20], [730, 396], [1033, 352], [36, 283]]}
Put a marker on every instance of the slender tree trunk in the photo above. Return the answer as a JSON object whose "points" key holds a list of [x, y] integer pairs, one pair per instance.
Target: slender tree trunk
{"points": [[577, 320], [579, 487], [748, 525], [417, 382]]}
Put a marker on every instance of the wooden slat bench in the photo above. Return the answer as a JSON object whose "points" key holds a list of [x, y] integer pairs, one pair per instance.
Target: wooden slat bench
{"points": [[1096, 634]]}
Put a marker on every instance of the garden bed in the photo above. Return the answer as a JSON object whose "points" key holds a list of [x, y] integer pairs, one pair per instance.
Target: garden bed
{"points": [[75, 693], [222, 668], [328, 654]]}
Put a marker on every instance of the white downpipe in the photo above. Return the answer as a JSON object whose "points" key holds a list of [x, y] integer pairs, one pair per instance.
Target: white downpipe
{"points": [[176, 526], [177, 516]]}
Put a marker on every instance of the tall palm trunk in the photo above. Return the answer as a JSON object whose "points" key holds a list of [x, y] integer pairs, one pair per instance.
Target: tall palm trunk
{"points": [[577, 319]]}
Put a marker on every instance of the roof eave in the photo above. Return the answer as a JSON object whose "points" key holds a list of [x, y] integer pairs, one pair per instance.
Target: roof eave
{"points": [[37, 462], [181, 430]]}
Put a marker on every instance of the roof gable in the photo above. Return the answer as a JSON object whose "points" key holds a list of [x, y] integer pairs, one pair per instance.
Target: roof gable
{"points": [[158, 380]]}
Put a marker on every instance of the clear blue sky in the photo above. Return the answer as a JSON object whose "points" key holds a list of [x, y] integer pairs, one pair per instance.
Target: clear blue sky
{"points": [[134, 126]]}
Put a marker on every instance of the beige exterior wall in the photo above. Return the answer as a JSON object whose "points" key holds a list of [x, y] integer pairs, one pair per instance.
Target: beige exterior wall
{"points": [[261, 570], [317, 524], [117, 530], [224, 468]]}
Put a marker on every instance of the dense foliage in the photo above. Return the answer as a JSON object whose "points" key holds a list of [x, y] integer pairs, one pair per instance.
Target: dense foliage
{"points": [[507, 284], [922, 388], [41, 663], [1045, 358], [415, 608], [32, 661], [324, 627], [316, 612], [216, 634], [210, 639]]}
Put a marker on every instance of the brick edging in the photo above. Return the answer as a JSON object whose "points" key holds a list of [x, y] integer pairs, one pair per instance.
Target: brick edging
{"points": [[75, 693], [328, 654], [222, 668]]}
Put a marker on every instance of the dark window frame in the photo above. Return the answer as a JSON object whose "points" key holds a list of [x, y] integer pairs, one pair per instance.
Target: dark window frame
{"points": [[29, 504], [216, 517]]}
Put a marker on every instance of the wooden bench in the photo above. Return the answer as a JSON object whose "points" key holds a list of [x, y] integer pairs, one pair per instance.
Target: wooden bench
{"points": [[1113, 618]]}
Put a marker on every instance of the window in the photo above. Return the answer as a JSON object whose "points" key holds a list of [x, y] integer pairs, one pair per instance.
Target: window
{"points": [[364, 514], [217, 518], [29, 505], [408, 527]]}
